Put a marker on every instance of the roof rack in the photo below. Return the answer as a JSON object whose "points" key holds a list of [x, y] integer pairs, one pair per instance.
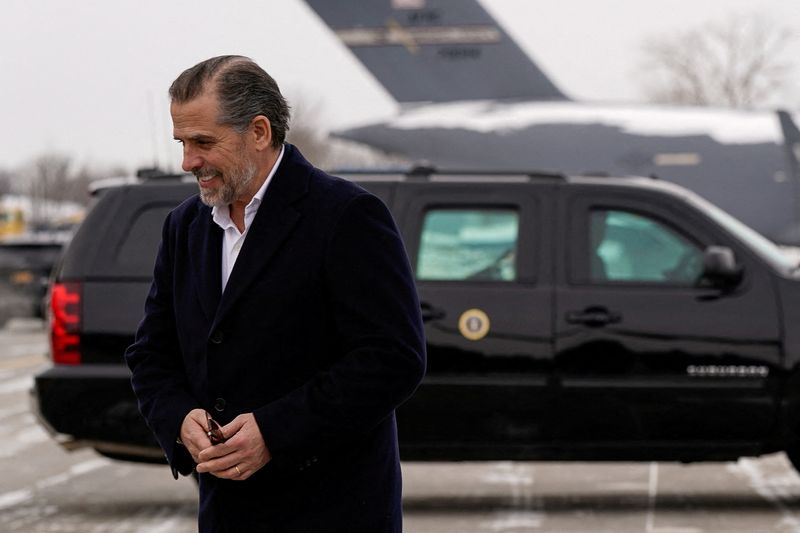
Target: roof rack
{"points": [[142, 175], [157, 173], [424, 170], [149, 173]]}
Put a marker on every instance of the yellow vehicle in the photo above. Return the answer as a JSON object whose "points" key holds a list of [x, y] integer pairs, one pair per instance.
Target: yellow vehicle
{"points": [[12, 221]]}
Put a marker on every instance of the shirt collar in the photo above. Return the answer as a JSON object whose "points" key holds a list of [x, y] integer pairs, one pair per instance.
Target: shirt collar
{"points": [[222, 215]]}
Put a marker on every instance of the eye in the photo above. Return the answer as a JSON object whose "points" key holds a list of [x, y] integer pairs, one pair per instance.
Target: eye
{"points": [[204, 142]]}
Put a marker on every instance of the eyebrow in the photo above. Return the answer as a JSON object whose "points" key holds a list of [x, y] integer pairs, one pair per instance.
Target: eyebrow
{"points": [[195, 137]]}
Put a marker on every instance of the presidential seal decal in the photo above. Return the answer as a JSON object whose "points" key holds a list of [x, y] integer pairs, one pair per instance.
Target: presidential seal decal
{"points": [[473, 324]]}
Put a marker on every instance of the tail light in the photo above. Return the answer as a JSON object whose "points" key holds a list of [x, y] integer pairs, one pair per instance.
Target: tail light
{"points": [[65, 323]]}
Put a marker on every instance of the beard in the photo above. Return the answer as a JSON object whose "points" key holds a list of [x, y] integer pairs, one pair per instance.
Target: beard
{"points": [[235, 183]]}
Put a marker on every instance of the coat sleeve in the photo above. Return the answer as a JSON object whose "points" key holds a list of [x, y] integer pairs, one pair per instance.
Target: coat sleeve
{"points": [[376, 315], [157, 374]]}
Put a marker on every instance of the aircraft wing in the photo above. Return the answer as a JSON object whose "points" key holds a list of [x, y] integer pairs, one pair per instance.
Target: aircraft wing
{"points": [[436, 50]]}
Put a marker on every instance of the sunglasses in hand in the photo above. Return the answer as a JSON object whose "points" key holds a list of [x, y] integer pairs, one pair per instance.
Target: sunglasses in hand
{"points": [[214, 431]]}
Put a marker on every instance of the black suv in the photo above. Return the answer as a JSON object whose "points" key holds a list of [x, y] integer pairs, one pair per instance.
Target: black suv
{"points": [[566, 318]]}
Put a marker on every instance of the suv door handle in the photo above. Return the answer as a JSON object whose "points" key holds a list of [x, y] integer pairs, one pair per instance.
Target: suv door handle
{"points": [[430, 312], [593, 317]]}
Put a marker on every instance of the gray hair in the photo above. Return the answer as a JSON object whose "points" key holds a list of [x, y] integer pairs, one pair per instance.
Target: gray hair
{"points": [[244, 90]]}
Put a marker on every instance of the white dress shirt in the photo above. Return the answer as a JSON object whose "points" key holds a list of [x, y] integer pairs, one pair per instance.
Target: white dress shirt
{"points": [[233, 239]]}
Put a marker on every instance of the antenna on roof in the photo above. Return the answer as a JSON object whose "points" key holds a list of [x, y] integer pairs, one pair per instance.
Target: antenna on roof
{"points": [[422, 168], [150, 173]]}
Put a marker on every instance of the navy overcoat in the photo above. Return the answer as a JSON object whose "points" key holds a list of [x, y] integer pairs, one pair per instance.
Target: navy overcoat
{"points": [[318, 333]]}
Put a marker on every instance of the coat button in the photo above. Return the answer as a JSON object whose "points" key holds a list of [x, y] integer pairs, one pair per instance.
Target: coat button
{"points": [[217, 337], [219, 405]]}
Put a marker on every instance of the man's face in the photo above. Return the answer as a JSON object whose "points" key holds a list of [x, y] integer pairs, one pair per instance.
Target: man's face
{"points": [[218, 155]]}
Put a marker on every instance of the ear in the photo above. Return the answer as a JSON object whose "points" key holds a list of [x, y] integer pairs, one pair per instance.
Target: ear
{"points": [[262, 132]]}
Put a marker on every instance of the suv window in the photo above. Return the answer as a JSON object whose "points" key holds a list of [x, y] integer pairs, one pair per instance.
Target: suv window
{"points": [[477, 244], [136, 253], [631, 247]]}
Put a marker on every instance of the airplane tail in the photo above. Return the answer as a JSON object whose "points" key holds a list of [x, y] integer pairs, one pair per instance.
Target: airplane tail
{"points": [[792, 135], [436, 50]]}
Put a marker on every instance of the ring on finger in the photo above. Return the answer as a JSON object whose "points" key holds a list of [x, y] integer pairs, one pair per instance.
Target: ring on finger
{"points": [[237, 470]]}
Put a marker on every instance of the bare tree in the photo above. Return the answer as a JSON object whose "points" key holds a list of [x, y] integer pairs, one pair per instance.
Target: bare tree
{"points": [[306, 131], [329, 152], [80, 180], [48, 180], [735, 63], [53, 176], [5, 182]]}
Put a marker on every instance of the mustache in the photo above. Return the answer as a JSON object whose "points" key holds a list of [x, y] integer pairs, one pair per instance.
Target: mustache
{"points": [[205, 172]]}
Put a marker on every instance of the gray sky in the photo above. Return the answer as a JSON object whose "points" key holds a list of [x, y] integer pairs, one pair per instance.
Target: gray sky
{"points": [[88, 78]]}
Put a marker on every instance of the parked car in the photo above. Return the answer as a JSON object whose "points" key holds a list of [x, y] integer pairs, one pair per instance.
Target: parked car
{"points": [[566, 318], [25, 265]]}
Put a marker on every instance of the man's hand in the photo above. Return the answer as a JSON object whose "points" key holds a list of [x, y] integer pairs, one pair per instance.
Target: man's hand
{"points": [[239, 457], [193, 433]]}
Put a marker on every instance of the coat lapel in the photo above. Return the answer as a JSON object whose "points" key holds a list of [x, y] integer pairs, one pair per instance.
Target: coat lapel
{"points": [[205, 244], [273, 223]]}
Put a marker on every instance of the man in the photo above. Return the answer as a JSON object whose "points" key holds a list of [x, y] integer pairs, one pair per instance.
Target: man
{"points": [[283, 306]]}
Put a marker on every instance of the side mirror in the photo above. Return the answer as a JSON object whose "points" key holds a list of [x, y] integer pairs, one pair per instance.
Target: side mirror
{"points": [[720, 268]]}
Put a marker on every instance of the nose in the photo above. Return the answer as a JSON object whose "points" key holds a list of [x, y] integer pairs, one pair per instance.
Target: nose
{"points": [[191, 161]]}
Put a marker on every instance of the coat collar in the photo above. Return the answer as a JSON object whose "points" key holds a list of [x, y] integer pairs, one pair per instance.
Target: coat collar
{"points": [[274, 221], [205, 245]]}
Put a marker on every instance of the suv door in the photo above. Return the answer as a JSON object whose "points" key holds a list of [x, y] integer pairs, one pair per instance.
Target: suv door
{"points": [[645, 350], [480, 253]]}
